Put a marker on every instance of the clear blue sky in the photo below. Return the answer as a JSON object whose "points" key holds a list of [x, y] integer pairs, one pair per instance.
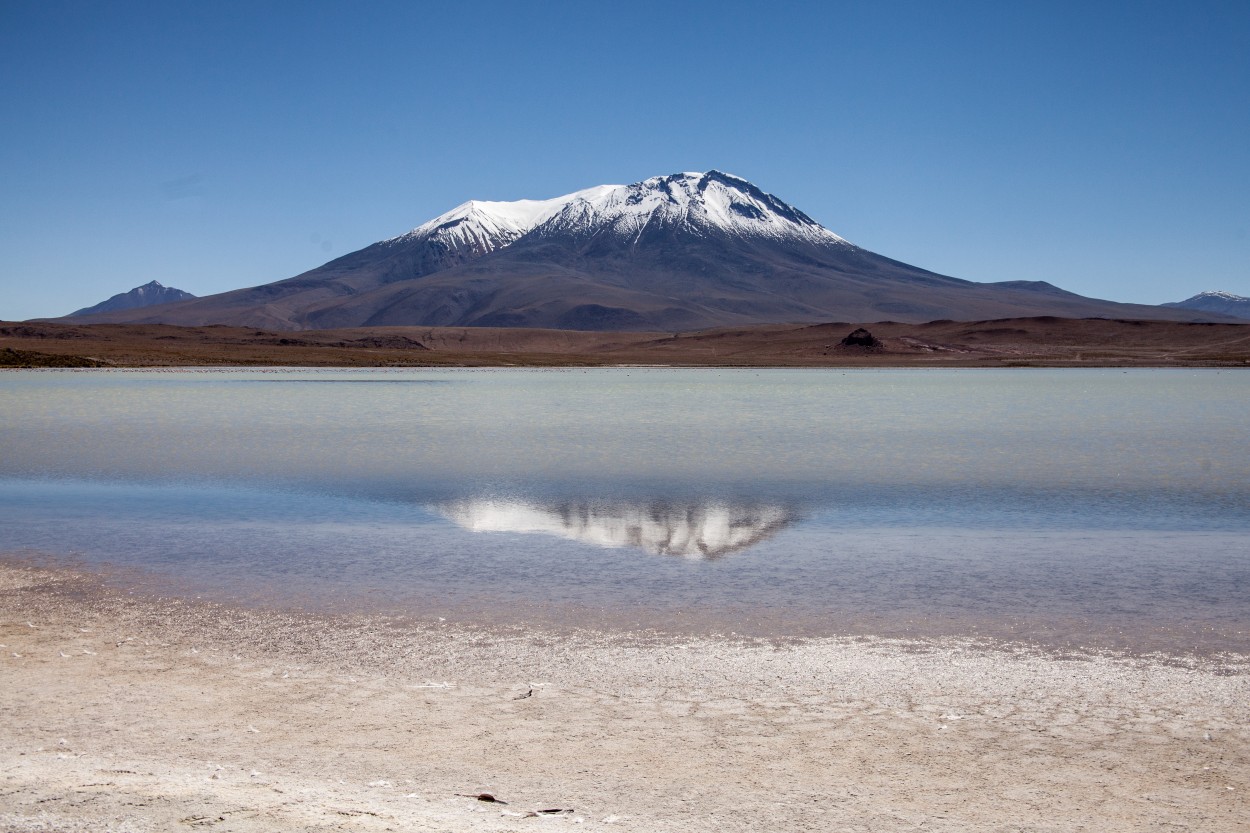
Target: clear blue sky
{"points": [[1104, 147]]}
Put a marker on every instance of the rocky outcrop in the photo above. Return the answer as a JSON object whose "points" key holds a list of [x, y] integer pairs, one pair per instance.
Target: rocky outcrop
{"points": [[863, 339]]}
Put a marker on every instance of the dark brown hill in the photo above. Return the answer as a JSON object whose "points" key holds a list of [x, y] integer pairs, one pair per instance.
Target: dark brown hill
{"points": [[1046, 341]]}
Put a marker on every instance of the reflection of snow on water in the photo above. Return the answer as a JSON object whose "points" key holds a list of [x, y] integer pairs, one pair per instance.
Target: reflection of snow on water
{"points": [[1084, 505], [707, 530]]}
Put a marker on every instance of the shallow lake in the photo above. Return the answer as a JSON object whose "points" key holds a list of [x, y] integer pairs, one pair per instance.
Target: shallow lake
{"points": [[1083, 507]]}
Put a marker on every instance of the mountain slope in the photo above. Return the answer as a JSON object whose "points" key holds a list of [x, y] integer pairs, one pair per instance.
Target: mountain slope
{"points": [[149, 294], [1224, 303], [680, 252]]}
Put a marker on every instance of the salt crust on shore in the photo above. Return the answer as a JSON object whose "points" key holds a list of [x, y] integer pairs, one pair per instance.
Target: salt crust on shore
{"points": [[138, 714]]}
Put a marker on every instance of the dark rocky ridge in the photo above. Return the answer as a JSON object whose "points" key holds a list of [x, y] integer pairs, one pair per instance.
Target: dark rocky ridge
{"points": [[863, 339]]}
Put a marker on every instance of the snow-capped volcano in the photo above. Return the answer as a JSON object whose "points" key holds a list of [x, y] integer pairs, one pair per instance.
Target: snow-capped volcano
{"points": [[686, 251], [711, 200], [704, 204]]}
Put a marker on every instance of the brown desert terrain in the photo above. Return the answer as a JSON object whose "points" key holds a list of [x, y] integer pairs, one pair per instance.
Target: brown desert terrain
{"points": [[1045, 341]]}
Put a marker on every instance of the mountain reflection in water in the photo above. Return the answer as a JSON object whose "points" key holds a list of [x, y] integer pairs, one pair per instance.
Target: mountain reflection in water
{"points": [[689, 529]]}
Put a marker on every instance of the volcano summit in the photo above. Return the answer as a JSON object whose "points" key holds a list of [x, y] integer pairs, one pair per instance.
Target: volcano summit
{"points": [[682, 252]]}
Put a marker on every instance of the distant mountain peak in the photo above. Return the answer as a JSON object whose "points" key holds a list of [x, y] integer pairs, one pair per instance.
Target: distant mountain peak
{"points": [[1223, 296], [150, 294], [1225, 303]]}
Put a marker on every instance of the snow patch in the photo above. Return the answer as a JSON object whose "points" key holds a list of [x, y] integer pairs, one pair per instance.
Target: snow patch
{"points": [[1222, 296]]}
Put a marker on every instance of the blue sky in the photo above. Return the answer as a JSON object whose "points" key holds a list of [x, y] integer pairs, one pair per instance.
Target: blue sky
{"points": [[1104, 147]]}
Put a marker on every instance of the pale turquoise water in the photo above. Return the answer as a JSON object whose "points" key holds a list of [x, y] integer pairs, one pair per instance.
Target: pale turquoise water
{"points": [[1066, 506]]}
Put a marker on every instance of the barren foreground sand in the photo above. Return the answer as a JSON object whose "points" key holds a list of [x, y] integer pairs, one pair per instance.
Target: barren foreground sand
{"points": [[121, 713]]}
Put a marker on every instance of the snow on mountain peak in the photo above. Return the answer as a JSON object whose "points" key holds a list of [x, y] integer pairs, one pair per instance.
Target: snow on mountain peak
{"points": [[1218, 294], [726, 202], [1224, 303], [703, 202]]}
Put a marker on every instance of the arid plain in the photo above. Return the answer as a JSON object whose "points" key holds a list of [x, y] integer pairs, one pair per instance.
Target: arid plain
{"points": [[1047, 342]]}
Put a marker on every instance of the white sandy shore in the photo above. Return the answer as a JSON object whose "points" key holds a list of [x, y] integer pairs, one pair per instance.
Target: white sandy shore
{"points": [[128, 714]]}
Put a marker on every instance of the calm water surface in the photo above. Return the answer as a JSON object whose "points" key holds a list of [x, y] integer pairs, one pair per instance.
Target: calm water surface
{"points": [[1092, 507]]}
